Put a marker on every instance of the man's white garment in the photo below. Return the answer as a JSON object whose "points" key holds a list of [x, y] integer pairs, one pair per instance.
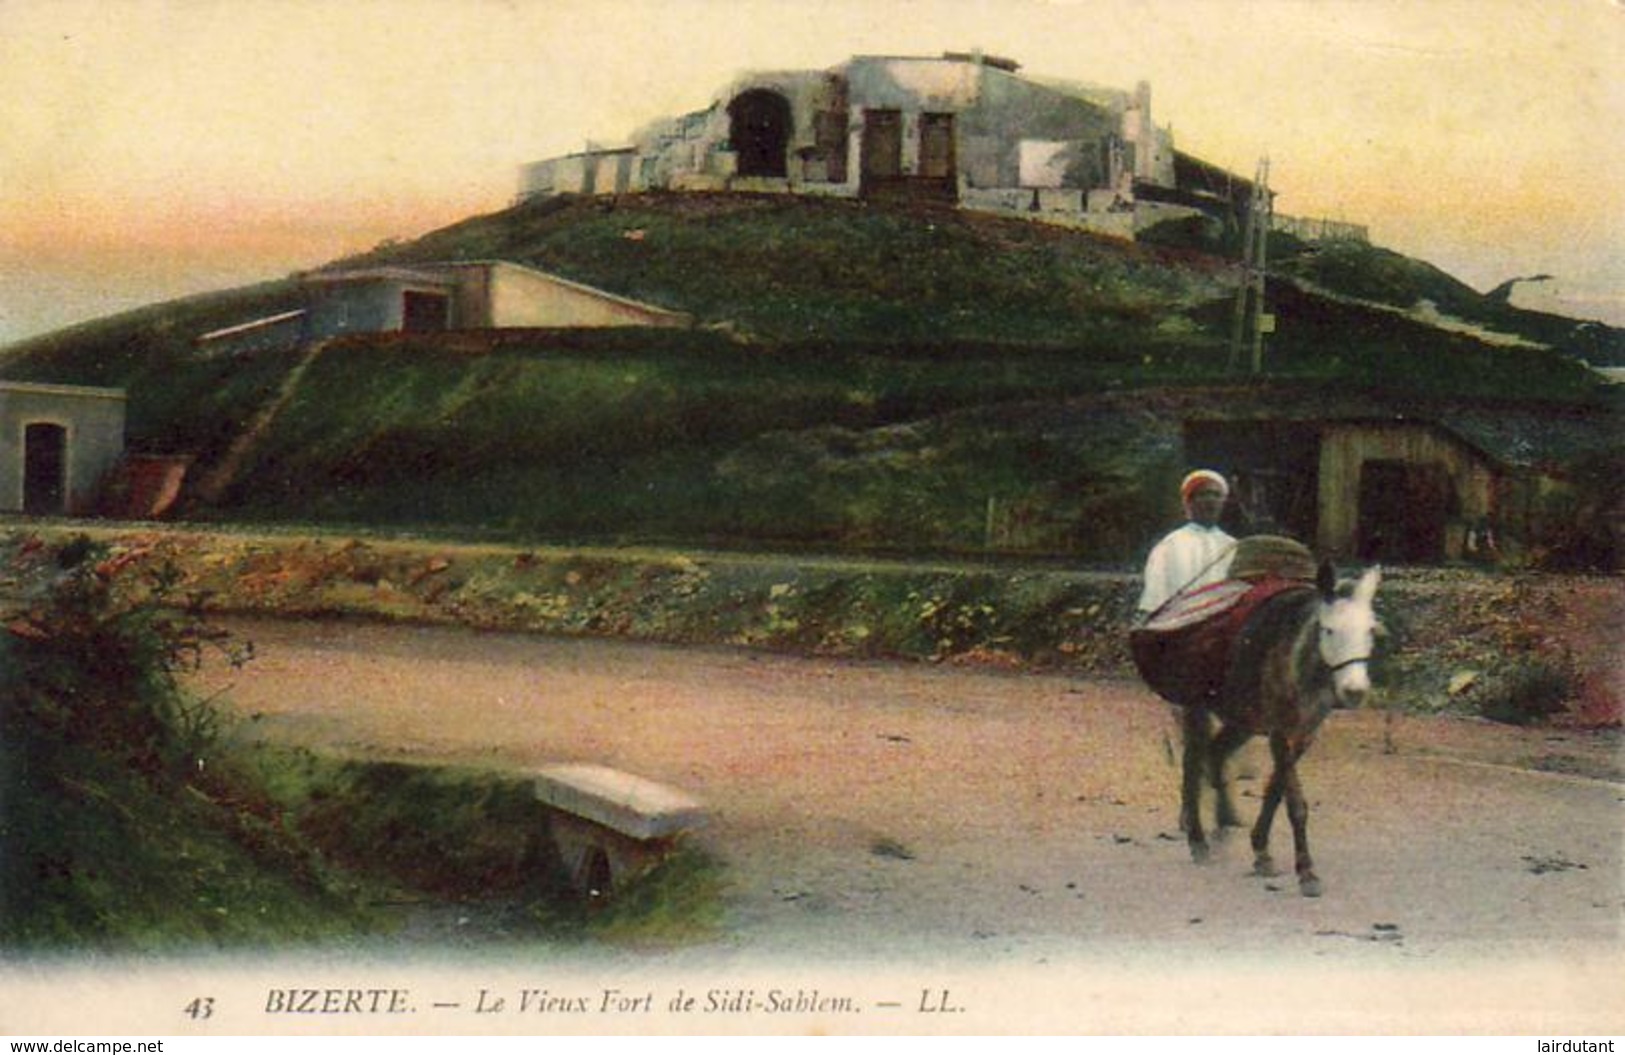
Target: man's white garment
{"points": [[1187, 557]]}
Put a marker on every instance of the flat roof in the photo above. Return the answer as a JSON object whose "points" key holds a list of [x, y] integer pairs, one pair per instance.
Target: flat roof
{"points": [[383, 273], [76, 391], [244, 327]]}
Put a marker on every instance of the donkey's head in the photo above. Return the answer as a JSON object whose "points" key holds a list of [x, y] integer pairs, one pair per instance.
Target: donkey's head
{"points": [[1347, 629]]}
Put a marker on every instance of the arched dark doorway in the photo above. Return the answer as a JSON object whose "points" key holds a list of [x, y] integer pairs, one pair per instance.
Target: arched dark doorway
{"points": [[759, 129], [45, 469]]}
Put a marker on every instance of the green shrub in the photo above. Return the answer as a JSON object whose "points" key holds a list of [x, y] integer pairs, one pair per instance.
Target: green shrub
{"points": [[433, 829], [1527, 693], [124, 822], [94, 663]]}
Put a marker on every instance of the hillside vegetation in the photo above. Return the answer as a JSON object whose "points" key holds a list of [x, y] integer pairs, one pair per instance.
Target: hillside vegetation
{"points": [[138, 816], [862, 376], [790, 269]]}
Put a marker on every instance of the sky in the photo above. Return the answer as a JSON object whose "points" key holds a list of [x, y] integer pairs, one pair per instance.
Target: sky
{"points": [[151, 149]]}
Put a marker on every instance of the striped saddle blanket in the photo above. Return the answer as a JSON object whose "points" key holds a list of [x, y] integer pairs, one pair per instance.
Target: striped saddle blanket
{"points": [[1185, 651]]}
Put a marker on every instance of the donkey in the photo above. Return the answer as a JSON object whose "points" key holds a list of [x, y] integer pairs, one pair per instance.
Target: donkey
{"points": [[1302, 654]]}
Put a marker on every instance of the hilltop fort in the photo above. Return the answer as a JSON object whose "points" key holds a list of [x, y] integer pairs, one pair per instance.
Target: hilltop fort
{"points": [[964, 128]]}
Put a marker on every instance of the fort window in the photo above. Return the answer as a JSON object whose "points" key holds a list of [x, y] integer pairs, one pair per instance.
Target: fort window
{"points": [[759, 128], [830, 132], [882, 147], [937, 146], [425, 312]]}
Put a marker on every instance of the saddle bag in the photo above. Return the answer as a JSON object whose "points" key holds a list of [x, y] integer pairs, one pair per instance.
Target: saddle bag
{"points": [[1184, 652]]}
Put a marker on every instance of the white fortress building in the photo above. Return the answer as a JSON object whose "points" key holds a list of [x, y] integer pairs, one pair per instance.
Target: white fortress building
{"points": [[961, 128]]}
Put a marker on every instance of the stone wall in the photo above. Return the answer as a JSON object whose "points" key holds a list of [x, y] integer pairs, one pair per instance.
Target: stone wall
{"points": [[1318, 230]]}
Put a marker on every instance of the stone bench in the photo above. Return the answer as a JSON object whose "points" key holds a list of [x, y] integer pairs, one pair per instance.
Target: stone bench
{"points": [[610, 826]]}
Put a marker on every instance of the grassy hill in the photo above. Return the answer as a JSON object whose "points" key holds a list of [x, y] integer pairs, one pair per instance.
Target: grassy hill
{"points": [[790, 269], [862, 376]]}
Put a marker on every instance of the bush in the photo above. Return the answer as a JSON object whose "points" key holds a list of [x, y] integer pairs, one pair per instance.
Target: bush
{"points": [[1528, 693], [98, 666], [113, 831]]}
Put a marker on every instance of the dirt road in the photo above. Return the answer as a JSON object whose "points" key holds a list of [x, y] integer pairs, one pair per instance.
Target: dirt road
{"points": [[924, 814]]}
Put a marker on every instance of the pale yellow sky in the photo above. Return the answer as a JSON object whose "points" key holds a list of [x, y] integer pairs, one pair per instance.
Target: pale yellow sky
{"points": [[152, 148]]}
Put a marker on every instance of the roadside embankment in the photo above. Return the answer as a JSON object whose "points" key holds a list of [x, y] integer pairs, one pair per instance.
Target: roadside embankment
{"points": [[1521, 648]]}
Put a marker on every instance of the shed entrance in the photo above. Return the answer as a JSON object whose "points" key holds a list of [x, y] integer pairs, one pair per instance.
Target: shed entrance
{"points": [[1404, 510], [759, 129], [45, 469]]}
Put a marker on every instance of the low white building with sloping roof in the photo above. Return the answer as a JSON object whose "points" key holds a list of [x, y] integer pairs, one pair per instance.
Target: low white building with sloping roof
{"points": [[57, 443], [434, 297]]}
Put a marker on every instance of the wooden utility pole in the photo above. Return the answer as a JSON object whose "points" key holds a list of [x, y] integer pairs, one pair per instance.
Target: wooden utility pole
{"points": [[1250, 322]]}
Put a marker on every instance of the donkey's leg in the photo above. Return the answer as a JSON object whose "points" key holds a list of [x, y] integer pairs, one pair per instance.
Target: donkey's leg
{"points": [[1196, 729], [1224, 745], [1263, 864], [1297, 811]]}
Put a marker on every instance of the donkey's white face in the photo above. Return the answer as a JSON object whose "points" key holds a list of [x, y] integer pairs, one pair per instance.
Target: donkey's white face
{"points": [[1348, 629]]}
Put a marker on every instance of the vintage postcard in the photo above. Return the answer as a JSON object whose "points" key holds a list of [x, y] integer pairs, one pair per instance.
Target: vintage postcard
{"points": [[586, 517]]}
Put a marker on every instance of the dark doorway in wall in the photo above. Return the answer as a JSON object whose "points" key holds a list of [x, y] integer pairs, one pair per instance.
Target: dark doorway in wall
{"points": [[1404, 509], [45, 469], [759, 129], [938, 176], [425, 312], [937, 146], [882, 164], [829, 134]]}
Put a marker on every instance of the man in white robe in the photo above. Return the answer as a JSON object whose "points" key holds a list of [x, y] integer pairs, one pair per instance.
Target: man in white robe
{"points": [[1195, 554]]}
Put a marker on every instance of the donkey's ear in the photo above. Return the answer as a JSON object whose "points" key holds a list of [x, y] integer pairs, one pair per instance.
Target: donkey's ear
{"points": [[1326, 580], [1366, 588]]}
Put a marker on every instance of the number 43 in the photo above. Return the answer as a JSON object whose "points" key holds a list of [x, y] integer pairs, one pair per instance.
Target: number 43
{"points": [[202, 1007]]}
